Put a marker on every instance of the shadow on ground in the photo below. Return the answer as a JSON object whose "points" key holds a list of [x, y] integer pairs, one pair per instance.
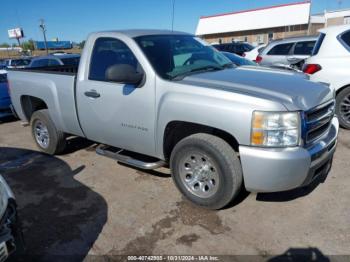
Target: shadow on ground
{"points": [[301, 255], [7, 119], [60, 216], [292, 194]]}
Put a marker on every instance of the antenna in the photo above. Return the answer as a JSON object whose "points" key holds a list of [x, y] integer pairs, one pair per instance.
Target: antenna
{"points": [[43, 29], [172, 16]]}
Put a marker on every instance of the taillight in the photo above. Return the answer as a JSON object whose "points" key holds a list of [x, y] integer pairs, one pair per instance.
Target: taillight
{"points": [[311, 68], [258, 59]]}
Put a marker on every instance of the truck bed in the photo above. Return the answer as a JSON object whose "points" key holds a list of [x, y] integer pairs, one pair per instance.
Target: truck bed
{"points": [[53, 85], [62, 69]]}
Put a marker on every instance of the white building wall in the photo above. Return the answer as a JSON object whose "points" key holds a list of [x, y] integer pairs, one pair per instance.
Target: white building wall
{"points": [[284, 15]]}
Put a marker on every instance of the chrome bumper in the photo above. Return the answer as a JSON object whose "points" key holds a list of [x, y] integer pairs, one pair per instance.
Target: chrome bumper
{"points": [[275, 169]]}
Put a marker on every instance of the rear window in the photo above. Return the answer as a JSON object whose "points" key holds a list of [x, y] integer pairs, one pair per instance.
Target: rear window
{"points": [[345, 39], [261, 49], [3, 78], [304, 48], [282, 49], [318, 44]]}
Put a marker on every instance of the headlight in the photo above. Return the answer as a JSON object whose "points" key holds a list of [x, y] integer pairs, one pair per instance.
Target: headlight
{"points": [[275, 129], [4, 197]]}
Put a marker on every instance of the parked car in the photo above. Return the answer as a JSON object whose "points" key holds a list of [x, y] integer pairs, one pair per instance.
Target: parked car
{"points": [[11, 238], [330, 63], [5, 100], [18, 62], [157, 98], [238, 60], [241, 61], [284, 52], [238, 48], [54, 60], [252, 54]]}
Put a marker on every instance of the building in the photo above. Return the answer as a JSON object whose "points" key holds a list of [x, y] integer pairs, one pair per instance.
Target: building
{"points": [[261, 25]]}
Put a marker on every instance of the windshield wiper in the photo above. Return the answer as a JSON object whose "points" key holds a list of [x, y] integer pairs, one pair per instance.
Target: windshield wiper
{"points": [[197, 70]]}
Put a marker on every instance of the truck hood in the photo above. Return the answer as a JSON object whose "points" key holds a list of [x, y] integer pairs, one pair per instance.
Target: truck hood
{"points": [[291, 89]]}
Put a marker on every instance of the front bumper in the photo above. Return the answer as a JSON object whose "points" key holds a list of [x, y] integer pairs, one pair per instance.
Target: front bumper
{"points": [[281, 169]]}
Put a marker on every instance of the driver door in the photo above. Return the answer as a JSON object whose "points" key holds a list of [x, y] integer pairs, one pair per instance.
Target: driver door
{"points": [[116, 114]]}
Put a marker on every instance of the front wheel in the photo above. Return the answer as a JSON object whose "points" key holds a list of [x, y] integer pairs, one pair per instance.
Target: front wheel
{"points": [[343, 107], [45, 134], [206, 170]]}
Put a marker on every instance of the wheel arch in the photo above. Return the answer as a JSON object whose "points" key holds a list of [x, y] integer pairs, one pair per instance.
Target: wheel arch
{"points": [[30, 104], [341, 89], [175, 131]]}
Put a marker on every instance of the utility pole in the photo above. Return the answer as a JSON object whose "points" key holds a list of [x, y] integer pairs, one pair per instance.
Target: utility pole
{"points": [[172, 16], [309, 22], [340, 3], [43, 29]]}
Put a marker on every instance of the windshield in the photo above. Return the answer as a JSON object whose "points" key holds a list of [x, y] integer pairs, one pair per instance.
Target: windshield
{"points": [[173, 56]]}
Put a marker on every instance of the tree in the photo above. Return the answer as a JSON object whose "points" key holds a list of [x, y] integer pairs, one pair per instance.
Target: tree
{"points": [[28, 45], [81, 44], [4, 45]]}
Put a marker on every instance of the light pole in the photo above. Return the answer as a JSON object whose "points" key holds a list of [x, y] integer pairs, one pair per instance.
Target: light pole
{"points": [[43, 28]]}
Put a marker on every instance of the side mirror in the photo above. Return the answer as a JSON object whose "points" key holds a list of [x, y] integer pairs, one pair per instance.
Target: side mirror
{"points": [[124, 74]]}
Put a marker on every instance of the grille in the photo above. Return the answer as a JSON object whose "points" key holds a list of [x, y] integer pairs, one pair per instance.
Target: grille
{"points": [[3, 252], [318, 121]]}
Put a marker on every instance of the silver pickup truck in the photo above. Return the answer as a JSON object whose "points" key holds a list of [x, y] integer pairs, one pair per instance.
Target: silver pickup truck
{"points": [[161, 98]]}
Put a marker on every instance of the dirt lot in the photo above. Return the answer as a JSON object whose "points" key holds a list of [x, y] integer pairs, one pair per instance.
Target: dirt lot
{"points": [[81, 203]]}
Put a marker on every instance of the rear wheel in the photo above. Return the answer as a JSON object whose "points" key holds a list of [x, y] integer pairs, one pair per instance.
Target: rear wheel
{"points": [[343, 107], [206, 170], [45, 134]]}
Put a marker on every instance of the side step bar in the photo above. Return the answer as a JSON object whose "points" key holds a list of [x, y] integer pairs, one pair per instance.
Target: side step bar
{"points": [[129, 158]]}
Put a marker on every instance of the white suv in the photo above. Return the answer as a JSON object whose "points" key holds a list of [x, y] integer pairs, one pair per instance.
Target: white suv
{"points": [[330, 63]]}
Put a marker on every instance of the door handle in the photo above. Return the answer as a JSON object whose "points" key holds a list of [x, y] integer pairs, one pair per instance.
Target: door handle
{"points": [[92, 94], [293, 59]]}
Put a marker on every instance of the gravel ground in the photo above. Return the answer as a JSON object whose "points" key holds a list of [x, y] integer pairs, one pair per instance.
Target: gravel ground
{"points": [[83, 204]]}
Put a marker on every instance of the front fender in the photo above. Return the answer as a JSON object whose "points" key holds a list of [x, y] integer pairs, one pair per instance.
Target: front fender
{"points": [[226, 111]]}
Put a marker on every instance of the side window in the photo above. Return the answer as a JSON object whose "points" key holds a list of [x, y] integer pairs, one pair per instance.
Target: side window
{"points": [[108, 52], [304, 48], [346, 39], [282, 49], [40, 63], [53, 62]]}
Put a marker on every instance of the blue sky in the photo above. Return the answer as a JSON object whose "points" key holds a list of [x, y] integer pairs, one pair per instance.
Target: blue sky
{"points": [[74, 19]]}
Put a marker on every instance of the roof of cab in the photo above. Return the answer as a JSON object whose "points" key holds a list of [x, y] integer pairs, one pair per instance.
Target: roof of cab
{"points": [[144, 32]]}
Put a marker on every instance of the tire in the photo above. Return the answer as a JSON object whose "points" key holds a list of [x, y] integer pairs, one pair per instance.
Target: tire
{"points": [[56, 142], [343, 97], [221, 164]]}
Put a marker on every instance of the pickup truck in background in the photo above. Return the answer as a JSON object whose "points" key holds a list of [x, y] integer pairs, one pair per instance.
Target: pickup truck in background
{"points": [[156, 98]]}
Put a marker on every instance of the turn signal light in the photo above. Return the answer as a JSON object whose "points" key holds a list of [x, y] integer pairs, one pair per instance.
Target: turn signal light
{"points": [[311, 68]]}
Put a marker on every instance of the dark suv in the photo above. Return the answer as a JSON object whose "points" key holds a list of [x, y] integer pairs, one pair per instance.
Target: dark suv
{"points": [[235, 47]]}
